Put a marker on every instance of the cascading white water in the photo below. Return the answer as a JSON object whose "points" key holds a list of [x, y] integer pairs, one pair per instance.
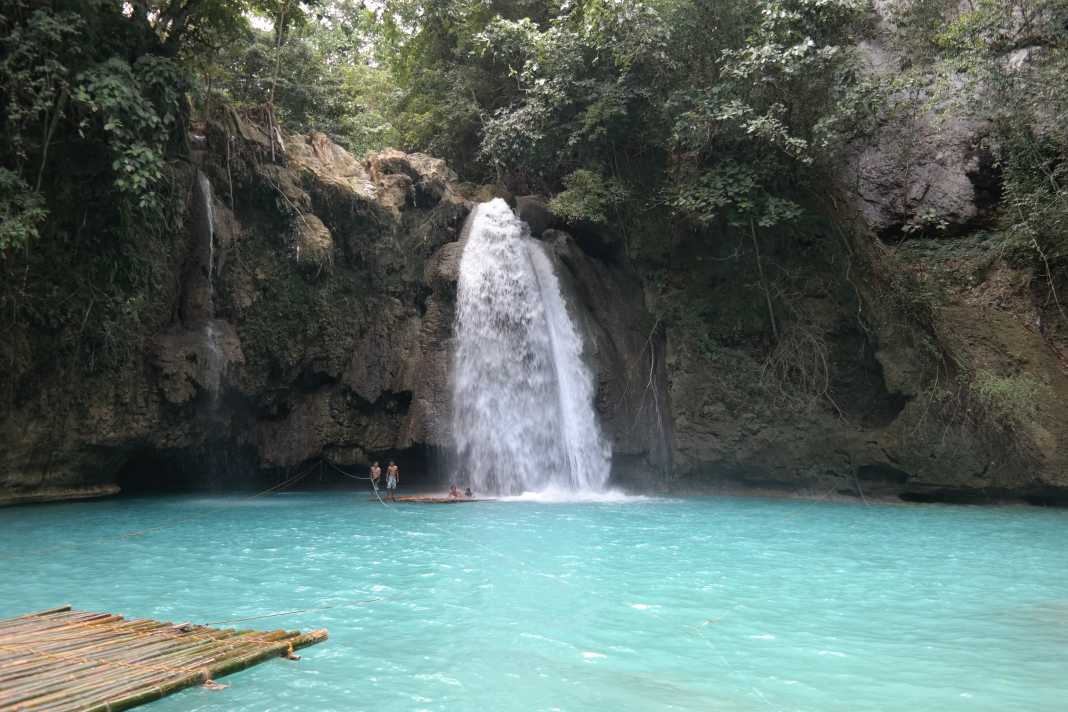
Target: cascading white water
{"points": [[214, 360], [204, 194], [523, 416]]}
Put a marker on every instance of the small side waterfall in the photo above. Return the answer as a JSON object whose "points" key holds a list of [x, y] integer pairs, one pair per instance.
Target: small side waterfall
{"points": [[523, 416], [198, 280], [205, 194], [214, 361], [199, 300]]}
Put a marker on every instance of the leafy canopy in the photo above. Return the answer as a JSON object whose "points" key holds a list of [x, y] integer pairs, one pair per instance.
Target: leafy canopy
{"points": [[714, 108]]}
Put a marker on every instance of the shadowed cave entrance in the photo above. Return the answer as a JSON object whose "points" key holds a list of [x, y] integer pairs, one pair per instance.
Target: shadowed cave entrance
{"points": [[423, 469], [229, 469], [171, 471]]}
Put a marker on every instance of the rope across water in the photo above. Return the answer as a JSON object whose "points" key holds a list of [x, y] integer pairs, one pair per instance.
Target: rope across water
{"points": [[374, 484]]}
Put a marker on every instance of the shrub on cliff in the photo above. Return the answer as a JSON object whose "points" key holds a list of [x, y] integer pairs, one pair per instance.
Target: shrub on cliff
{"points": [[92, 110], [714, 108], [1005, 61]]}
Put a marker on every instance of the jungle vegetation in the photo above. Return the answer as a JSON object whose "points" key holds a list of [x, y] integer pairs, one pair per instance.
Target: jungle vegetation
{"points": [[719, 115]]}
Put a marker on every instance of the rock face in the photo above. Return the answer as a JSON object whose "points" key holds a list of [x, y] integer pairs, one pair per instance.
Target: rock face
{"points": [[314, 321], [534, 211], [914, 359], [928, 171]]}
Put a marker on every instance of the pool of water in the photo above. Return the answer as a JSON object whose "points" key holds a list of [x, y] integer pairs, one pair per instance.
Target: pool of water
{"points": [[692, 604]]}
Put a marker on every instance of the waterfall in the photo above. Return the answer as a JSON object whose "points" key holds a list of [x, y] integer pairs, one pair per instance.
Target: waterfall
{"points": [[523, 417], [204, 195], [214, 361], [200, 288]]}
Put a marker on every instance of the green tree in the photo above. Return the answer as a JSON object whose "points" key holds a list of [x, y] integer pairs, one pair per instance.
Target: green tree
{"points": [[321, 77], [719, 112], [679, 94]]}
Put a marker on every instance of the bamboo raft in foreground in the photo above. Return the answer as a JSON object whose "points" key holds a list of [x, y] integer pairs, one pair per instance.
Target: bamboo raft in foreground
{"points": [[74, 660]]}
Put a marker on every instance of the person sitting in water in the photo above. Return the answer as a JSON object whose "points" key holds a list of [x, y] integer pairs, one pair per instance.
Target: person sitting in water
{"points": [[454, 491], [467, 492], [376, 472], [392, 478]]}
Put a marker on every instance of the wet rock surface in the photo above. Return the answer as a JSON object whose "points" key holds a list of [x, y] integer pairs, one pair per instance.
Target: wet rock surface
{"points": [[943, 378], [314, 320]]}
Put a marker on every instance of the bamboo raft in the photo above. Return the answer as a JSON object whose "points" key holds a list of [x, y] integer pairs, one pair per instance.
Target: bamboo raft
{"points": [[75, 660]]}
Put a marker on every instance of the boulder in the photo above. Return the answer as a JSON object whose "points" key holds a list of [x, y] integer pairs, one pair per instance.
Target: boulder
{"points": [[534, 211], [314, 243], [925, 175]]}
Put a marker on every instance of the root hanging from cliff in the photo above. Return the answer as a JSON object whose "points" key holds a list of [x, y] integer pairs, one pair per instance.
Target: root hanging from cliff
{"points": [[633, 376], [763, 281], [1052, 286], [800, 362]]}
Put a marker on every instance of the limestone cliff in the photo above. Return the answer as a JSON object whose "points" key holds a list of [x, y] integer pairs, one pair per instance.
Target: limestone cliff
{"points": [[312, 319], [917, 357], [302, 308]]}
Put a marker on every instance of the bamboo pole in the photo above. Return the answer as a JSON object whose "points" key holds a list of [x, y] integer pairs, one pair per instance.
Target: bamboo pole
{"points": [[62, 659], [223, 668], [97, 686], [45, 623], [58, 642], [38, 614], [50, 624], [300, 641], [181, 662], [12, 672], [105, 666]]}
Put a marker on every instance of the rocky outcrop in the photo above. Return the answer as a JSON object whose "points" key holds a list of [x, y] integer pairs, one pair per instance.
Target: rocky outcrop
{"points": [[881, 385], [915, 360], [534, 211], [313, 321], [928, 171]]}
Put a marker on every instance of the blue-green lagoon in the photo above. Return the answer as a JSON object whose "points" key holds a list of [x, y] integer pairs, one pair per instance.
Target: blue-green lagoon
{"points": [[685, 604]]}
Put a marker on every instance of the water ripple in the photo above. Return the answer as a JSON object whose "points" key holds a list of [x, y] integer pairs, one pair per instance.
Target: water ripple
{"points": [[684, 604]]}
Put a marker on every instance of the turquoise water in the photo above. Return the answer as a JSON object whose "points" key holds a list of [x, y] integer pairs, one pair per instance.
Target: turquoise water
{"points": [[696, 604]]}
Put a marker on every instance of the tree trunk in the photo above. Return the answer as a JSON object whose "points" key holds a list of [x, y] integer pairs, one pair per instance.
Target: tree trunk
{"points": [[763, 281], [61, 102]]}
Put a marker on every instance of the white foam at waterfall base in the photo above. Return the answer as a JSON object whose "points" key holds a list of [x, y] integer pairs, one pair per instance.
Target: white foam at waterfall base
{"points": [[523, 416], [553, 494]]}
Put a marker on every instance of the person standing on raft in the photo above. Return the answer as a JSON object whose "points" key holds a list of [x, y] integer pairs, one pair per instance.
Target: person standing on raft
{"points": [[392, 478], [376, 472]]}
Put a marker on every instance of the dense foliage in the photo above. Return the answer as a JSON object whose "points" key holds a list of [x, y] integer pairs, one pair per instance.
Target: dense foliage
{"points": [[712, 118], [90, 103], [713, 108], [318, 76], [710, 109], [108, 81]]}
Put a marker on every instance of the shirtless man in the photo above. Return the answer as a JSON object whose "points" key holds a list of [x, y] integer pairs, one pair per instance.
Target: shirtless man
{"points": [[376, 472], [392, 478]]}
